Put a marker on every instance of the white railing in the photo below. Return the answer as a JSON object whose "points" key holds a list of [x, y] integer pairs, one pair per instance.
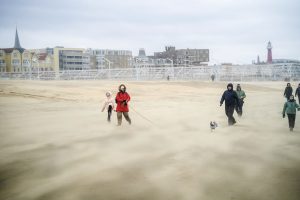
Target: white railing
{"points": [[273, 72]]}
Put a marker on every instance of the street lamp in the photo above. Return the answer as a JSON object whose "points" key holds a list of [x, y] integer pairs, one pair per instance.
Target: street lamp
{"points": [[36, 60], [109, 62]]}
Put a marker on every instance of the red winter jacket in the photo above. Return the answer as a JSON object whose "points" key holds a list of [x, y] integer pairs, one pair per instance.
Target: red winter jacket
{"points": [[120, 98]]}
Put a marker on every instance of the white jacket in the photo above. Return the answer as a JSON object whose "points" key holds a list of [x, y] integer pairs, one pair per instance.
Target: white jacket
{"points": [[109, 101]]}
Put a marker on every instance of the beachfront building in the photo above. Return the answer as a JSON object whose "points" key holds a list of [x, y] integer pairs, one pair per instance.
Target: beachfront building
{"points": [[183, 57], [69, 59], [11, 58], [108, 58]]}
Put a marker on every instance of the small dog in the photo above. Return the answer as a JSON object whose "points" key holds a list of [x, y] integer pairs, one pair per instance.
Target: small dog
{"points": [[213, 125]]}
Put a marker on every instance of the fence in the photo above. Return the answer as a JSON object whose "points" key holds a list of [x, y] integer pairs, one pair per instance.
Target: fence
{"points": [[272, 72]]}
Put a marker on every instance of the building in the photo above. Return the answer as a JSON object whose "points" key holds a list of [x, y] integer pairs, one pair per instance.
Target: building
{"points": [[18, 59], [11, 58], [106, 58], [69, 59], [184, 56]]}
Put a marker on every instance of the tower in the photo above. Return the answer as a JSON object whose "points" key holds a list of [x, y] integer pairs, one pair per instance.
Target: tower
{"points": [[17, 41], [269, 47], [142, 52]]}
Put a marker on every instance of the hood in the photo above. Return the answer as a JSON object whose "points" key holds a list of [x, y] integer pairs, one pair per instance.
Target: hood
{"points": [[122, 85], [108, 92], [230, 85]]}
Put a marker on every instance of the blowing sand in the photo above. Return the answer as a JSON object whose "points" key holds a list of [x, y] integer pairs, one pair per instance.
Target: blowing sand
{"points": [[56, 144]]}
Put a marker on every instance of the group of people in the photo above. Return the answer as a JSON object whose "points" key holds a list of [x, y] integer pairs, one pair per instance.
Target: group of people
{"points": [[234, 100], [290, 106], [122, 98]]}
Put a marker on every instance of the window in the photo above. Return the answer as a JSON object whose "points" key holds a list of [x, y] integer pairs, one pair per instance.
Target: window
{"points": [[1, 53], [15, 61]]}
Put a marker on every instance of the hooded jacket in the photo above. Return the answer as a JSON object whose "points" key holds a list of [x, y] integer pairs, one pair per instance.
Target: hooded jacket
{"points": [[109, 101], [290, 107], [230, 97], [288, 91], [122, 100], [240, 93], [297, 93]]}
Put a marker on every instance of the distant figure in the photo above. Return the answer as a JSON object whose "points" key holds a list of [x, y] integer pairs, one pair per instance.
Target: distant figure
{"points": [[231, 100], [109, 105], [297, 93], [290, 109], [212, 77], [288, 91], [241, 95], [122, 100], [168, 78]]}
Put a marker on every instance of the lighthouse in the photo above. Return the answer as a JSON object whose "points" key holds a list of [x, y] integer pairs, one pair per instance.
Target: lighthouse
{"points": [[269, 47]]}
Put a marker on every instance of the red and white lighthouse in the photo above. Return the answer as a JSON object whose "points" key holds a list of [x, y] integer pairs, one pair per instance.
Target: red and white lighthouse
{"points": [[269, 47]]}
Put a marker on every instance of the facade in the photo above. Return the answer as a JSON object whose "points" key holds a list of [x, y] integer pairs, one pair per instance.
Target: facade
{"points": [[184, 56], [69, 59], [106, 58], [11, 58], [18, 59]]}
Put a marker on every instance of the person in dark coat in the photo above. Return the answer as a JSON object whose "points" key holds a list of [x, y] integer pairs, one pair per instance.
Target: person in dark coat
{"points": [[241, 95], [290, 107], [288, 91], [231, 100], [122, 100], [297, 93]]}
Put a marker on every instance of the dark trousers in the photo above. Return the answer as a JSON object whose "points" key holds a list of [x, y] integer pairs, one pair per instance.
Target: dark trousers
{"points": [[292, 118], [229, 110], [109, 111], [119, 116], [298, 99], [239, 108]]}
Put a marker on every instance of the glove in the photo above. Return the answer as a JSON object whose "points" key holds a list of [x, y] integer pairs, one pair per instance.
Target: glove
{"points": [[283, 115], [220, 104], [124, 102]]}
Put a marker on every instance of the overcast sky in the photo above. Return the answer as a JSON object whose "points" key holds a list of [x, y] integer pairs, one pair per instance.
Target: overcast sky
{"points": [[234, 30]]}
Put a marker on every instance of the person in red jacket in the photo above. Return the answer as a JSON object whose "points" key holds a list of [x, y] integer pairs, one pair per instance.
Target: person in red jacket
{"points": [[122, 100]]}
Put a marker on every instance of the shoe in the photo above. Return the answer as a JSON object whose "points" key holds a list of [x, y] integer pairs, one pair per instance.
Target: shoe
{"points": [[291, 129]]}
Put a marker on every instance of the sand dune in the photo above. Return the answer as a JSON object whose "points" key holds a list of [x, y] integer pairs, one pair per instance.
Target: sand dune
{"points": [[56, 144]]}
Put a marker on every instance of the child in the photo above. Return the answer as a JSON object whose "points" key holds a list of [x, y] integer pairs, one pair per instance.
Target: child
{"points": [[109, 105], [290, 109]]}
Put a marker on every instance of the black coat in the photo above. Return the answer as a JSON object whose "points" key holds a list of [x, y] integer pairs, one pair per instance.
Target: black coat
{"points": [[230, 97], [297, 93], [288, 92]]}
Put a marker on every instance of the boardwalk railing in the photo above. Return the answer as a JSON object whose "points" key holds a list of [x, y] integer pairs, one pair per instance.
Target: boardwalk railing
{"points": [[272, 72]]}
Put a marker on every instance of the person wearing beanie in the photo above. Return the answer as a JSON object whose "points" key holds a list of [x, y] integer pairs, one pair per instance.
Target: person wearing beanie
{"points": [[289, 108], [231, 100]]}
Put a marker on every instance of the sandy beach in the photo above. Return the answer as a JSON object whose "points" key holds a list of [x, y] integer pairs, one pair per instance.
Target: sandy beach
{"points": [[57, 145]]}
